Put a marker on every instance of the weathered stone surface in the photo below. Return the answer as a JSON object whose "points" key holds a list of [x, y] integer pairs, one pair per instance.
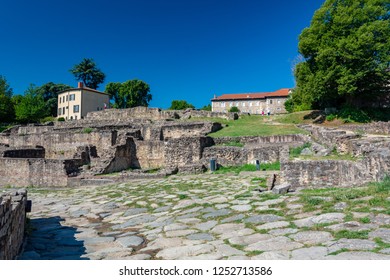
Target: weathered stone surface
{"points": [[201, 236], [274, 244], [228, 251], [206, 226], [177, 233], [184, 251], [249, 239], [131, 241], [351, 244], [312, 253], [358, 256], [312, 237], [382, 233], [273, 225], [233, 218], [273, 255], [320, 219], [217, 213], [283, 231], [135, 211], [241, 208], [98, 240], [223, 228], [265, 218], [282, 188]]}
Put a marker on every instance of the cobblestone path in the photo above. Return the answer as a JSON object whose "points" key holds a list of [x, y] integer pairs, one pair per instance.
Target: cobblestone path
{"points": [[206, 217]]}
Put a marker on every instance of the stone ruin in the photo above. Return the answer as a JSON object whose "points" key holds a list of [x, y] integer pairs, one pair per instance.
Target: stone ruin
{"points": [[131, 141], [145, 142]]}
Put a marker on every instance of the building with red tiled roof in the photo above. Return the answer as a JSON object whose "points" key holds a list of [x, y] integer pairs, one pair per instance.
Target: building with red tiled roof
{"points": [[253, 103]]}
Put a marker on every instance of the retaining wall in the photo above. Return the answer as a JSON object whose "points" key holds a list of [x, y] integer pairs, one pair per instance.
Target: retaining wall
{"points": [[12, 223]]}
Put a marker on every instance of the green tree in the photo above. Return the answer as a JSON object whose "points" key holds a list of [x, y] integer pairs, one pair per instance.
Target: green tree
{"points": [[87, 72], [234, 109], [129, 94], [49, 93], [180, 105], [206, 108], [6, 107], [30, 107], [346, 53]]}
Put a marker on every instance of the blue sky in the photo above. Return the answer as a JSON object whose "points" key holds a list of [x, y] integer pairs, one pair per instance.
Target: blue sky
{"points": [[187, 50]]}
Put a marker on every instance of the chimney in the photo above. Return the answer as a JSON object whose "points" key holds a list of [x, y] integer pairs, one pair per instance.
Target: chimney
{"points": [[80, 85]]}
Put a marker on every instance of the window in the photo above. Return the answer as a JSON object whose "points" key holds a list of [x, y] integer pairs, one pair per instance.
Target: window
{"points": [[60, 100], [63, 111], [71, 117], [231, 104], [75, 117], [72, 97], [278, 101], [243, 104], [257, 103], [59, 111], [250, 104], [236, 104], [66, 98], [63, 99], [76, 108], [270, 102]]}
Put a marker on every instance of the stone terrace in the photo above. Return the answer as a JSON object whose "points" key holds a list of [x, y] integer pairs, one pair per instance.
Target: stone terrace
{"points": [[207, 216]]}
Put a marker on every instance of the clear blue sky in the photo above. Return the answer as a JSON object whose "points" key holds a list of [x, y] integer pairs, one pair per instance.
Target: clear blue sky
{"points": [[187, 50]]}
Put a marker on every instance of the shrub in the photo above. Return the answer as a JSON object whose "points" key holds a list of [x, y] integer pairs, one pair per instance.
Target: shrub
{"points": [[61, 119], [351, 114], [234, 109], [331, 117], [48, 119], [87, 130]]}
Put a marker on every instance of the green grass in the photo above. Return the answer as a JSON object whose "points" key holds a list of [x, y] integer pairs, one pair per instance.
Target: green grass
{"points": [[352, 234], [87, 130], [296, 152], [254, 126]]}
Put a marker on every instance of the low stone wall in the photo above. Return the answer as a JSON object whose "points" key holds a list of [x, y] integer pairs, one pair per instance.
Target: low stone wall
{"points": [[185, 151], [190, 129], [371, 128], [187, 114], [261, 140], [24, 153], [324, 173], [19, 172], [229, 156], [12, 223], [131, 113]]}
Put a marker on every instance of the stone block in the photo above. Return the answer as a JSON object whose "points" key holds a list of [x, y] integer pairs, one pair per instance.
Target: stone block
{"points": [[282, 188]]}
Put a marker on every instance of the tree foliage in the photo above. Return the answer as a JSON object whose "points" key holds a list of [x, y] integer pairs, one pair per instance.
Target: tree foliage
{"points": [[129, 94], [31, 107], [87, 72], [346, 53], [180, 105], [206, 108], [6, 108], [49, 93], [234, 109]]}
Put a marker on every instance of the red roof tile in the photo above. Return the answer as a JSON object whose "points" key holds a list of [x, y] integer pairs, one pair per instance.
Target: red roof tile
{"points": [[284, 92]]}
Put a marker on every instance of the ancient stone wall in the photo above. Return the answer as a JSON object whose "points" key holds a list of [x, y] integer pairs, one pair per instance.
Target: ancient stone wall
{"points": [[149, 154], [229, 156], [12, 223], [20, 172], [370, 128], [23, 153], [260, 140], [185, 151], [131, 113], [178, 130], [187, 114], [324, 173]]}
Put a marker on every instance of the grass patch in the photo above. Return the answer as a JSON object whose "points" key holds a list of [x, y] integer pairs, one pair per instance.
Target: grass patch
{"points": [[87, 130], [365, 220], [338, 252], [351, 234], [182, 196], [296, 152], [254, 253], [254, 125]]}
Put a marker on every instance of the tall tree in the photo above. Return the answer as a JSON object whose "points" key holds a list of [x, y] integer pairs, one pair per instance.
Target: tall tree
{"points": [[31, 107], [181, 105], [87, 72], [346, 53], [129, 94], [6, 107], [49, 93]]}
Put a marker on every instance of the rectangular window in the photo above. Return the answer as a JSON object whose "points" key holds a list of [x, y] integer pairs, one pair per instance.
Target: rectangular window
{"points": [[59, 111], [76, 108], [60, 100], [278, 101], [75, 117], [270, 102], [63, 111], [72, 97], [63, 99], [66, 98]]}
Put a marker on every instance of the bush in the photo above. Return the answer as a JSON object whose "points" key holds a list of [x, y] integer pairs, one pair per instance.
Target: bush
{"points": [[87, 130], [234, 109], [48, 119], [61, 119], [331, 117], [351, 114]]}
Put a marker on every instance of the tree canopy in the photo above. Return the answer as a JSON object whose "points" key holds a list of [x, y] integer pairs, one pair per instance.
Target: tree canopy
{"points": [[129, 94], [31, 107], [87, 72], [181, 105], [49, 93], [6, 108], [346, 55]]}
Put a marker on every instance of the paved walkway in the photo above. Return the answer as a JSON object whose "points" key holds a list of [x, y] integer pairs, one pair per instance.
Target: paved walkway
{"points": [[201, 217]]}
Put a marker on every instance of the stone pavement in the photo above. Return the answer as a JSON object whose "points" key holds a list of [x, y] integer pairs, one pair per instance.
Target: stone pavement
{"points": [[201, 217]]}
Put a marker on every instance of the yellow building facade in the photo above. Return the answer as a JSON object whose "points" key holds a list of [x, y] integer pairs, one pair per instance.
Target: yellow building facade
{"points": [[75, 103]]}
